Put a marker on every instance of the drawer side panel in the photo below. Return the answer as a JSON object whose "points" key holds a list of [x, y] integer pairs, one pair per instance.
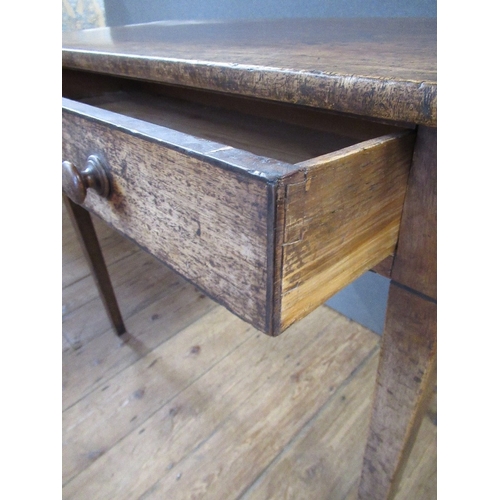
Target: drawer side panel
{"points": [[341, 217], [207, 223]]}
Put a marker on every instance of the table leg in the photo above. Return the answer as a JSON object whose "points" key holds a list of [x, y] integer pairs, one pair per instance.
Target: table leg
{"points": [[407, 366], [85, 231], [405, 379]]}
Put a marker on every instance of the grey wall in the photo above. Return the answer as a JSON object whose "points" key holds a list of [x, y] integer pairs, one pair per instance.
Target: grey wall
{"points": [[364, 301], [120, 12]]}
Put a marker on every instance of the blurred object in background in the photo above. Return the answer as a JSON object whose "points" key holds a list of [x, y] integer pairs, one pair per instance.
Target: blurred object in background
{"points": [[82, 14]]}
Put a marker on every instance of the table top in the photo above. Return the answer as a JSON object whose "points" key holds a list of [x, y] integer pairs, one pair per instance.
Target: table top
{"points": [[380, 68]]}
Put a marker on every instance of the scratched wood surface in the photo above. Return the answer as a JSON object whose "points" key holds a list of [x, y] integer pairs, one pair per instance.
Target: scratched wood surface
{"points": [[182, 212], [384, 68], [195, 403]]}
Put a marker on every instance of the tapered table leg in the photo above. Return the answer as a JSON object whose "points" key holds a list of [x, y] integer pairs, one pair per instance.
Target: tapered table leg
{"points": [[405, 379], [407, 366], [84, 228]]}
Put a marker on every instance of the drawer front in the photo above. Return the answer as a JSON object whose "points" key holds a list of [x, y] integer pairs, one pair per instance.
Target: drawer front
{"points": [[208, 223]]}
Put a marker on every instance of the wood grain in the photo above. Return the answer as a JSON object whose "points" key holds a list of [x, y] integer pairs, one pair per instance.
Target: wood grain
{"points": [[420, 474], [322, 456], [324, 459], [415, 263], [207, 223], [99, 359], [143, 388], [261, 136], [82, 85], [382, 68], [405, 379], [341, 217], [213, 456], [312, 464]]}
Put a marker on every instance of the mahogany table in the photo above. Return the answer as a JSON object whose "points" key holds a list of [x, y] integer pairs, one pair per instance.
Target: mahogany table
{"points": [[271, 163]]}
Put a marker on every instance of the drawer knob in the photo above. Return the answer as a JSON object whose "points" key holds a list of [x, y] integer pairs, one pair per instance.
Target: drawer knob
{"points": [[75, 181]]}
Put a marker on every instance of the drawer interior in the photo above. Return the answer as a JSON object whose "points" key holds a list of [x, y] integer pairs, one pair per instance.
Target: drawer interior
{"points": [[282, 132]]}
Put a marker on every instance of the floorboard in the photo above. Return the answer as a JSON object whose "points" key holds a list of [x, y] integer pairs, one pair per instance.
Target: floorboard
{"points": [[194, 403]]}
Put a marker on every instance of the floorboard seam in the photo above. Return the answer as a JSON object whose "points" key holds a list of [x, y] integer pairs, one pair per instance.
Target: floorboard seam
{"points": [[158, 409], [111, 332], [309, 423], [147, 303]]}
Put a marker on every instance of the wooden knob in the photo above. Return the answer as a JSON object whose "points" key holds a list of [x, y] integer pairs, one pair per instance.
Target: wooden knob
{"points": [[75, 181]]}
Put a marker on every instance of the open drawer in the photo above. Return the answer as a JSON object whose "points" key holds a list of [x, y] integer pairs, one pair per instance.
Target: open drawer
{"points": [[269, 209]]}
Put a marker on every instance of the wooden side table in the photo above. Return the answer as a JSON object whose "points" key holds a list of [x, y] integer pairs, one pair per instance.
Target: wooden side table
{"points": [[271, 163]]}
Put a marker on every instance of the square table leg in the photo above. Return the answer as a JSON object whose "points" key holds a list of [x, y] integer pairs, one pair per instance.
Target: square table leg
{"points": [[405, 379], [89, 243], [407, 366]]}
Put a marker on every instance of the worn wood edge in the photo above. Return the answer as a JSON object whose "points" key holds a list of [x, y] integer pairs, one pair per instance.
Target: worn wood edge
{"points": [[81, 84], [314, 118], [389, 234], [273, 292], [415, 261], [217, 154], [272, 243], [325, 160], [275, 326], [275, 240], [364, 96]]}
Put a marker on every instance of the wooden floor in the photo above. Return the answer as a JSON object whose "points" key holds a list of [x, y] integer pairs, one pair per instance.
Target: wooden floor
{"points": [[194, 403]]}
